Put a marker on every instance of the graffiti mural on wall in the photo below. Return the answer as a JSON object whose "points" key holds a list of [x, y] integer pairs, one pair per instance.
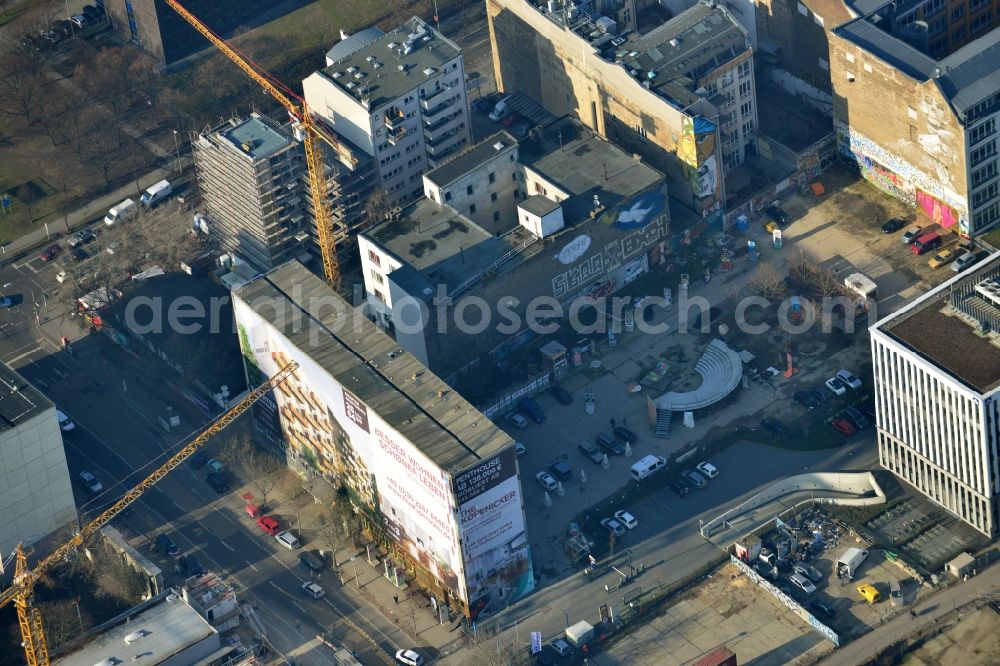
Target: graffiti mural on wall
{"points": [[887, 181], [697, 142], [863, 149], [938, 212]]}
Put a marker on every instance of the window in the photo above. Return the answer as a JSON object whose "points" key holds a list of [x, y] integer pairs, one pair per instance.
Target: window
{"points": [[747, 129], [447, 196], [985, 216], [496, 216], [984, 151], [513, 177], [517, 195], [374, 258], [987, 193], [932, 7], [981, 131], [493, 178], [744, 89], [493, 196], [980, 176], [976, 4], [957, 35], [468, 190], [957, 12], [378, 295], [472, 209], [377, 277], [744, 69], [936, 26], [539, 189], [982, 21], [712, 87], [746, 109]]}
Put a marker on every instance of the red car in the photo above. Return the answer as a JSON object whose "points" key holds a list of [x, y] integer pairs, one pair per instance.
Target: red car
{"points": [[843, 427], [269, 525], [50, 253]]}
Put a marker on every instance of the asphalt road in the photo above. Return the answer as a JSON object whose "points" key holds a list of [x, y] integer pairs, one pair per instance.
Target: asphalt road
{"points": [[117, 438]]}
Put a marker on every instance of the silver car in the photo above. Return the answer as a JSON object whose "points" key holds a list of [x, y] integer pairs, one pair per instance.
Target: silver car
{"points": [[696, 479]]}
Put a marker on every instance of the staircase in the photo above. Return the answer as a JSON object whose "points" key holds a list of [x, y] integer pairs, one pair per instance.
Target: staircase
{"points": [[663, 418]]}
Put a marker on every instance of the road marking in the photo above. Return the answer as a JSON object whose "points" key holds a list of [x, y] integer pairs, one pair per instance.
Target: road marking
{"points": [[303, 610], [20, 356], [227, 546], [273, 584], [249, 564]]}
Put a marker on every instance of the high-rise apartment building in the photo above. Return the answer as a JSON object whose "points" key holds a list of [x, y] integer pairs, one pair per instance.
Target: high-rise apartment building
{"points": [[937, 390], [400, 98]]}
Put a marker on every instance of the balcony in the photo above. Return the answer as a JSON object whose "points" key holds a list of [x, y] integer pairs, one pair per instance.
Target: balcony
{"points": [[430, 127], [438, 141], [394, 117], [395, 136]]}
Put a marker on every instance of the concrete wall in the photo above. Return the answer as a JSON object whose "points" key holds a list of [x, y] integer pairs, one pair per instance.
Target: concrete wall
{"points": [[903, 125], [505, 169], [341, 110], [35, 489], [375, 274], [803, 36]]}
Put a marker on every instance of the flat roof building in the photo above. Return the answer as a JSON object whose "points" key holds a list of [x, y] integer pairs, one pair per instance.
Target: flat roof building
{"points": [[600, 212], [682, 94], [164, 630], [400, 97], [431, 475], [36, 492], [937, 390]]}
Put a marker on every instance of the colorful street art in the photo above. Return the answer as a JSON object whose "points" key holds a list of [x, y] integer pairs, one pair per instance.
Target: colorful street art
{"points": [[635, 213], [938, 212], [697, 142], [887, 181]]}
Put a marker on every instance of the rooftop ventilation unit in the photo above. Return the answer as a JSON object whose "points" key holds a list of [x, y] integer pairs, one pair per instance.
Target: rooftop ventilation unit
{"points": [[675, 42], [352, 69], [391, 45], [337, 75], [429, 71], [499, 145], [376, 65], [135, 636], [359, 75], [370, 58]]}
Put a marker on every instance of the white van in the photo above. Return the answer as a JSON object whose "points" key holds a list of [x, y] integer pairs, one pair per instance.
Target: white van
{"points": [[500, 111], [123, 210], [65, 423], [647, 466], [157, 193]]}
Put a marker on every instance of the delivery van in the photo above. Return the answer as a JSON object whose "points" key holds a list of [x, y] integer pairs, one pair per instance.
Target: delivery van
{"points": [[156, 194], [120, 212], [926, 243], [647, 466]]}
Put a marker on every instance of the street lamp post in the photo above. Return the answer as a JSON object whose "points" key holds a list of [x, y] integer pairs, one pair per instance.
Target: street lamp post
{"points": [[354, 563], [567, 617], [177, 149]]}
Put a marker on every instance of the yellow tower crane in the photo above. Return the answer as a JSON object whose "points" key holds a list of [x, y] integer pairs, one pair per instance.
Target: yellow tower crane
{"points": [[311, 130], [36, 651]]}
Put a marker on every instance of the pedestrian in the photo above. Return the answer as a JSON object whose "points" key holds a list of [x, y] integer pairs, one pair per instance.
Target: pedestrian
{"points": [[913, 613], [395, 599], [612, 422], [624, 422]]}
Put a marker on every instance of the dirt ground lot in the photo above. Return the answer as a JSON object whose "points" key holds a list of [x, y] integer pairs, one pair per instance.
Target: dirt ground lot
{"points": [[728, 609], [973, 641]]}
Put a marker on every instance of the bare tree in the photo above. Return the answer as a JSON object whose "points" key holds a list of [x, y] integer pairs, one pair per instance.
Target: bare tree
{"points": [[766, 282], [377, 206], [63, 621], [146, 81], [22, 86], [261, 468], [103, 79]]}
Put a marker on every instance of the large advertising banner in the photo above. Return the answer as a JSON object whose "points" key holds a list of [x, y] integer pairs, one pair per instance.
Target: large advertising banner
{"points": [[497, 558], [347, 442]]}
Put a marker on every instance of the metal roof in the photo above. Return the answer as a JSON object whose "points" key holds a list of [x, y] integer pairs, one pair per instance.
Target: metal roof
{"points": [[355, 353], [352, 43], [885, 47]]}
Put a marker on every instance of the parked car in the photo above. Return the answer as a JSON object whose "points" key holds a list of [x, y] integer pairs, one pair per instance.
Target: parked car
{"points": [[519, 449], [911, 234], [6, 302], [679, 487], [79, 20], [65, 422], [942, 257], [189, 564], [893, 225], [591, 452], [823, 608], [561, 470], [78, 254], [516, 420], [808, 571], [546, 480], [613, 526], [843, 427], [90, 483], [93, 13], [313, 590], [855, 417], [482, 105], [803, 583], [774, 426], [849, 379], [51, 252], [215, 466], [562, 648], [778, 215], [311, 561], [708, 470], [806, 399], [409, 658], [198, 460], [166, 545], [288, 540], [81, 237], [626, 435], [964, 262], [61, 276], [627, 519], [821, 394], [269, 525], [562, 396], [531, 407], [694, 478], [610, 444], [836, 386], [218, 482]]}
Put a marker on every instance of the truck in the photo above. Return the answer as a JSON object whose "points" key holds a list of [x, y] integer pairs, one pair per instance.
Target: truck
{"points": [[580, 634], [850, 562], [123, 210]]}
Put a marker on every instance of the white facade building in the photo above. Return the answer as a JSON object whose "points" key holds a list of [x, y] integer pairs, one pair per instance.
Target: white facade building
{"points": [[35, 488], [937, 390], [401, 98]]}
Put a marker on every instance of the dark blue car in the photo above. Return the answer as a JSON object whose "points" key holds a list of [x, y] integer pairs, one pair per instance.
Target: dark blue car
{"points": [[531, 407]]}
